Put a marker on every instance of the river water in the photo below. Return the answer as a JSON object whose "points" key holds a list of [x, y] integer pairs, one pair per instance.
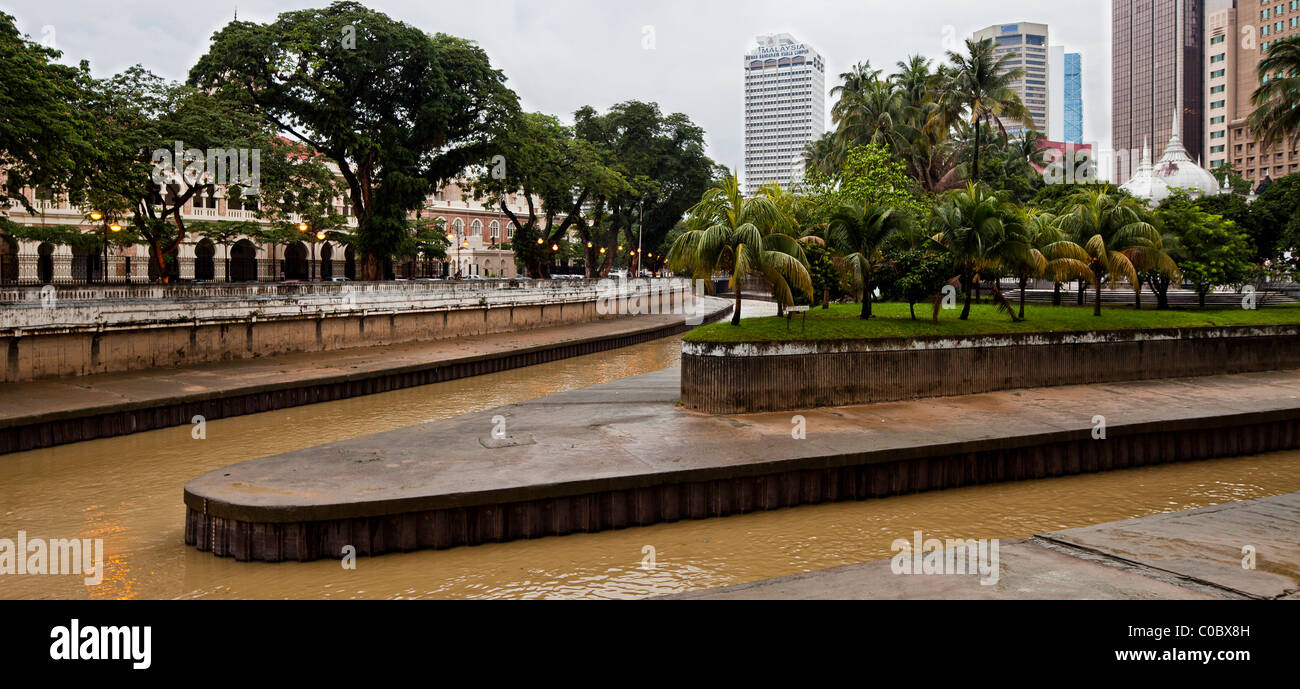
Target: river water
{"points": [[127, 491]]}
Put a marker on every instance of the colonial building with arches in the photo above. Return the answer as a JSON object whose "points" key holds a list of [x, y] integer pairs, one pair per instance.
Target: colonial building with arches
{"points": [[478, 230]]}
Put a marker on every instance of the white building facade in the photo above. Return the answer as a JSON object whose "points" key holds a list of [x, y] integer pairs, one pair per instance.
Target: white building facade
{"points": [[785, 109]]}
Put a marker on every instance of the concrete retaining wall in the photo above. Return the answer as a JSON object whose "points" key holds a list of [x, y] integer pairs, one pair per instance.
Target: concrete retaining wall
{"points": [[740, 378], [605, 505], [91, 331]]}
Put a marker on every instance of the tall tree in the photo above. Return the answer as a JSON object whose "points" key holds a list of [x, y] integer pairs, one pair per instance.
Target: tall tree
{"points": [[1276, 119], [399, 111], [726, 231], [43, 130], [978, 88], [977, 228]]}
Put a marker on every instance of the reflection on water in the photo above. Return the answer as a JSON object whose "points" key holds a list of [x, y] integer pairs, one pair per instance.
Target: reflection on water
{"points": [[128, 491]]}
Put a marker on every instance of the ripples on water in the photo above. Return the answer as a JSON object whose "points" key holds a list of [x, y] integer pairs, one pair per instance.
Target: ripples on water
{"points": [[128, 491]]}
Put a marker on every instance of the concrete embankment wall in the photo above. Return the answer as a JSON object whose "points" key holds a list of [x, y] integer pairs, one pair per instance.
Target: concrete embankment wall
{"points": [[596, 505], [741, 378], [57, 333]]}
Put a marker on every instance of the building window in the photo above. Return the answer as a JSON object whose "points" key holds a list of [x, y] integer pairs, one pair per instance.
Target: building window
{"points": [[494, 230], [1216, 104], [1217, 73], [1216, 120], [1217, 58], [458, 226], [1216, 40], [1216, 135], [1216, 89], [476, 228], [1216, 149]]}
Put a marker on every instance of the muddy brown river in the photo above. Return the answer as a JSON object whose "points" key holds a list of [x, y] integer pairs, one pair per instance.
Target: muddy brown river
{"points": [[127, 491]]}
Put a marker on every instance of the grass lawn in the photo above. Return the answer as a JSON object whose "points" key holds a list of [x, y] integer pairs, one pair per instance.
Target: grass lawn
{"points": [[841, 322]]}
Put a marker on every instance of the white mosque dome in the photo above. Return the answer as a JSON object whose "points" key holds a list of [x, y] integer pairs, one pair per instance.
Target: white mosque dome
{"points": [[1174, 170]]}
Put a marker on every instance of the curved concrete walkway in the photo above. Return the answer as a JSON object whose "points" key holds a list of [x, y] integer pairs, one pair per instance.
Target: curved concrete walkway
{"points": [[27, 407]]}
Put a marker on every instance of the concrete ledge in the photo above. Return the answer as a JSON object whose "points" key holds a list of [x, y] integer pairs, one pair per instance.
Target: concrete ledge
{"points": [[621, 454], [45, 428], [1189, 554], [733, 378]]}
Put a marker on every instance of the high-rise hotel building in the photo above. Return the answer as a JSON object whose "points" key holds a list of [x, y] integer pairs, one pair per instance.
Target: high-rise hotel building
{"points": [[785, 109], [1157, 51], [1236, 37], [1027, 43]]}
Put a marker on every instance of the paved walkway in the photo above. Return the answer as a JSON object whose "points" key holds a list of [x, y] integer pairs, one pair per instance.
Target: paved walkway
{"points": [[629, 434], [48, 400], [1192, 554]]}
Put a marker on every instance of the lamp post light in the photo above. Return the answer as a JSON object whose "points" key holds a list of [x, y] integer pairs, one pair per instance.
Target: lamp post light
{"points": [[302, 229], [96, 216]]}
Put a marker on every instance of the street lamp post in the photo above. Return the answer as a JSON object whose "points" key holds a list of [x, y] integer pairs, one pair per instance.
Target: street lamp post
{"points": [[302, 229]]}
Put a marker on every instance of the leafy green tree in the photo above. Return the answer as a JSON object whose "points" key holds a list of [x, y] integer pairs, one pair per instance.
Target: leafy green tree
{"points": [[1276, 218], [134, 175], [1264, 236], [726, 231], [664, 171], [1214, 251], [914, 275], [1226, 172], [548, 163], [43, 129], [825, 275], [397, 110], [871, 176]]}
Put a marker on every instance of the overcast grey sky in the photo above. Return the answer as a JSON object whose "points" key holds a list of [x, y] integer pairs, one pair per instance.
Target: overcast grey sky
{"points": [[562, 54]]}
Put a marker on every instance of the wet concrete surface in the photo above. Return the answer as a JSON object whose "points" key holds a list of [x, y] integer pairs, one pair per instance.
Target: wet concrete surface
{"points": [[1192, 554], [630, 434]]}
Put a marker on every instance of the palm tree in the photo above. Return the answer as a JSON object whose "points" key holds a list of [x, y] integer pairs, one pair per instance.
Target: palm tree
{"points": [[874, 115], [978, 230], [854, 82], [1113, 229], [1276, 118], [823, 155], [977, 88], [727, 231], [1045, 252], [860, 232]]}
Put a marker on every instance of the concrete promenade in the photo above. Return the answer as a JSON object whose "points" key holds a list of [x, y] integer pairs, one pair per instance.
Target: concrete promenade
{"points": [[50, 412], [623, 454], [1192, 554]]}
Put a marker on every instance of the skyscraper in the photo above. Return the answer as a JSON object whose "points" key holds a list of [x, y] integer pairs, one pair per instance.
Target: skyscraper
{"points": [[1073, 107], [1156, 53], [1029, 43], [785, 108]]}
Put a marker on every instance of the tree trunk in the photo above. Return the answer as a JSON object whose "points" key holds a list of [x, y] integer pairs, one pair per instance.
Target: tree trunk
{"points": [[1137, 296], [1023, 281], [866, 299], [911, 306], [826, 298], [965, 283], [1096, 305], [1082, 287], [1056, 294], [735, 314], [1200, 294]]}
